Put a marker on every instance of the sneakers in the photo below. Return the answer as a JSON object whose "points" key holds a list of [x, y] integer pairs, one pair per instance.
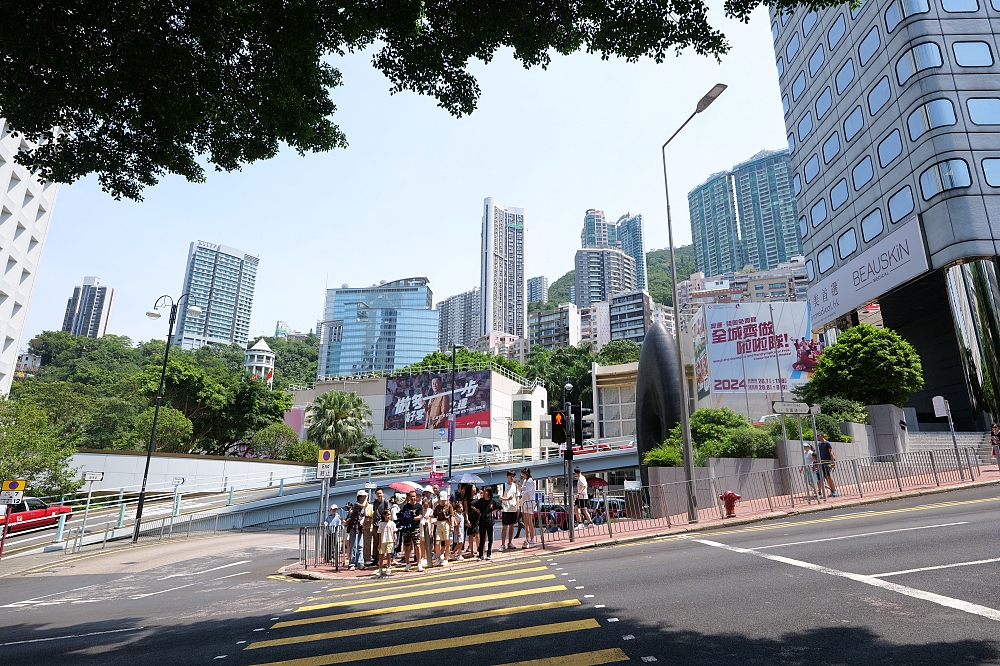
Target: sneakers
{"points": [[444, 563], [423, 563], [350, 568], [833, 493], [502, 548], [488, 557], [420, 567], [460, 558], [388, 572], [407, 567]]}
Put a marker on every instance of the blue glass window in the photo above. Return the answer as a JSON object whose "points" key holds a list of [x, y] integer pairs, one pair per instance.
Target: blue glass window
{"points": [[872, 226], [803, 227], [869, 45], [936, 113], [845, 76], [797, 184], [847, 244], [817, 214], [862, 173], [945, 175], [836, 32], [984, 110], [831, 147], [825, 259], [808, 22], [890, 148], [805, 125], [809, 270], [784, 104], [854, 123], [879, 95], [791, 144], [855, 11], [838, 194], [972, 54], [909, 8], [793, 47], [825, 101], [900, 204], [811, 169], [991, 169], [960, 6], [785, 15], [816, 60], [798, 86], [774, 31], [920, 57], [780, 64]]}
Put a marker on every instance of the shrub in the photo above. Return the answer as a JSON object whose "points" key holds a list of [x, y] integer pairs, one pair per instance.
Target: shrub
{"points": [[664, 455]]}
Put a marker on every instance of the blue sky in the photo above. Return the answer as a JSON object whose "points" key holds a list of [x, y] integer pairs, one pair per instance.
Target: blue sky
{"points": [[406, 198]]}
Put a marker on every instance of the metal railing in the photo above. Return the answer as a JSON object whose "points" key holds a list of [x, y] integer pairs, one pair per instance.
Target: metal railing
{"points": [[318, 545]]}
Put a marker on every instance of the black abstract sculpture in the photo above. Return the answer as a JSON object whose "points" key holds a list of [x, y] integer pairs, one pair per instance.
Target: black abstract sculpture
{"points": [[657, 392]]}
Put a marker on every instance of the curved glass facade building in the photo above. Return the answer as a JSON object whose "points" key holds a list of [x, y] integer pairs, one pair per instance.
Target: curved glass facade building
{"points": [[892, 111]]}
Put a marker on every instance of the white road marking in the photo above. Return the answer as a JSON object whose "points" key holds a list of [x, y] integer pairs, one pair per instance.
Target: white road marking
{"points": [[59, 638], [588, 596], [195, 573], [578, 587], [152, 594], [855, 536], [940, 566], [612, 619], [45, 596], [599, 606], [939, 599], [628, 637], [231, 575]]}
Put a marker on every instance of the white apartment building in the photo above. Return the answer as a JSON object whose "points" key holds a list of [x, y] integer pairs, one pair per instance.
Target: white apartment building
{"points": [[502, 283]]}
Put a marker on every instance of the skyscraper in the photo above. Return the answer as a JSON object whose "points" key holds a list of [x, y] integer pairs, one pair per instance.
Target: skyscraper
{"points": [[220, 281], [26, 206], [714, 229], [88, 311], [601, 273], [633, 243], [459, 320], [380, 328], [597, 231], [502, 281], [538, 289]]}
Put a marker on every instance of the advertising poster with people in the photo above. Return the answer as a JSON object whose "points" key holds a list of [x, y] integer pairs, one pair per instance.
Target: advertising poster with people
{"points": [[702, 373], [759, 347], [424, 401]]}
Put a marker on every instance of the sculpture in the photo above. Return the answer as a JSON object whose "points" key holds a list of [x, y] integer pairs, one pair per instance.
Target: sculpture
{"points": [[657, 392]]}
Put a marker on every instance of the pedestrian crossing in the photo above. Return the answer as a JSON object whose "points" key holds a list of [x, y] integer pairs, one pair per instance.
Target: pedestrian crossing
{"points": [[512, 614]]}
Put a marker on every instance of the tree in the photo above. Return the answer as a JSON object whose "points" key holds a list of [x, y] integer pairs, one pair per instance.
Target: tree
{"points": [[664, 455], [556, 366], [369, 450], [844, 410], [31, 448], [339, 421], [304, 452], [873, 366], [173, 430], [294, 360], [658, 275], [559, 290], [617, 352], [410, 451], [464, 359], [273, 441]]}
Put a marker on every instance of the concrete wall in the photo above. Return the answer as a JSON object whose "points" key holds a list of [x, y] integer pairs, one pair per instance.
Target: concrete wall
{"points": [[890, 436]]}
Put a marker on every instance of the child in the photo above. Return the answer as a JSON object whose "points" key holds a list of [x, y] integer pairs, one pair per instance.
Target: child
{"points": [[458, 524], [427, 526], [387, 535]]}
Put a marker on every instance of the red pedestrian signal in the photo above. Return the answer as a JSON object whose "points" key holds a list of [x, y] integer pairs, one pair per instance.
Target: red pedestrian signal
{"points": [[558, 428]]}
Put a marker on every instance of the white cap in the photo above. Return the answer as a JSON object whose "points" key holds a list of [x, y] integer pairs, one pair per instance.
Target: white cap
{"points": [[443, 496], [428, 489]]}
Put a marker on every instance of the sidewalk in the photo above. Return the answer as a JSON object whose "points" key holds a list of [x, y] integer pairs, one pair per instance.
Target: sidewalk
{"points": [[626, 531]]}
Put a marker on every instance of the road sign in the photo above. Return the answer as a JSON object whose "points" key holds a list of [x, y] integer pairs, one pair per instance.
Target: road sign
{"points": [[11, 496], [814, 409], [13, 484], [94, 476], [324, 470], [479, 430], [178, 481], [326, 455], [940, 406], [371, 485], [441, 432], [790, 407]]}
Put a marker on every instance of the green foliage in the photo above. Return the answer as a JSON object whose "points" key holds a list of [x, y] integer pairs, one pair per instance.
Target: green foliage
{"points": [[826, 424], [173, 430], [32, 448], [555, 366], [559, 290], [464, 359], [617, 352], [410, 451], [843, 410], [339, 420], [304, 452], [740, 443], [273, 442], [369, 450], [722, 433], [659, 283], [664, 455], [294, 360], [869, 365]]}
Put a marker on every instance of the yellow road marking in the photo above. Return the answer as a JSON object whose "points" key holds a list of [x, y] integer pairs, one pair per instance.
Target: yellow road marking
{"points": [[419, 593], [437, 582], [427, 576], [446, 619], [421, 606], [481, 638], [583, 659]]}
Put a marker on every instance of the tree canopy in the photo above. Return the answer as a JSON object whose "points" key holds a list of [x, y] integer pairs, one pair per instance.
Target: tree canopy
{"points": [[140, 90], [464, 358], [617, 352]]}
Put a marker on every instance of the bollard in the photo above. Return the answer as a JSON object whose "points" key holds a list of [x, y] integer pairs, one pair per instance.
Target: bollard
{"points": [[105, 542], [857, 477], [190, 516], [281, 487], [937, 481], [59, 530], [232, 489], [121, 514], [225, 482]]}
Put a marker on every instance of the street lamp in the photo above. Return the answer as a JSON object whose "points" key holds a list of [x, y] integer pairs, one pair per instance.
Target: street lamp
{"points": [[703, 104], [161, 302], [451, 409]]}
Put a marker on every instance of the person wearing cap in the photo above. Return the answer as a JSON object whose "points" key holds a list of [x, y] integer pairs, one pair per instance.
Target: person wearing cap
{"points": [[379, 506], [443, 514], [508, 511], [580, 511], [355, 531], [332, 523]]}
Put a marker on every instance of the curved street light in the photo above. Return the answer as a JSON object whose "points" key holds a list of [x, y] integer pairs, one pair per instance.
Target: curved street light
{"points": [[162, 302]]}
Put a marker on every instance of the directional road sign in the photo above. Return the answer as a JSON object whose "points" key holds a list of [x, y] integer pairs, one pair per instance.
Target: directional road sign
{"points": [[93, 476], [790, 407], [324, 470], [178, 481]]}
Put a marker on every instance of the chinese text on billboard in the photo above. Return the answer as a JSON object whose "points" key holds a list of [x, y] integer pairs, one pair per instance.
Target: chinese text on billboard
{"points": [[424, 401]]}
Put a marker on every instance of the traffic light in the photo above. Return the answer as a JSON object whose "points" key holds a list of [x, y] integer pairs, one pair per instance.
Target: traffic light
{"points": [[558, 428], [582, 430]]}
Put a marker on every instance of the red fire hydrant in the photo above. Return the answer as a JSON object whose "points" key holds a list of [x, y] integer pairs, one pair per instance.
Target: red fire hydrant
{"points": [[729, 498]]}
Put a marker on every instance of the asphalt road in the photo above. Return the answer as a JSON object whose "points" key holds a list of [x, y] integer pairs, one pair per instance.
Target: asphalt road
{"points": [[906, 582]]}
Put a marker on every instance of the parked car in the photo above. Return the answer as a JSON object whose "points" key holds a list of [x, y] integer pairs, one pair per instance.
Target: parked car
{"points": [[557, 513], [33, 512], [616, 506]]}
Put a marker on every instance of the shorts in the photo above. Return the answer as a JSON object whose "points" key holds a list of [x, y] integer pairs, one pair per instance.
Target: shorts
{"points": [[386, 547], [581, 503], [826, 469], [441, 532], [411, 537], [508, 518], [473, 528]]}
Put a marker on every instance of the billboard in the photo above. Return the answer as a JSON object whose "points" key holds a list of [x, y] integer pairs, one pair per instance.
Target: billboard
{"points": [[424, 401], [702, 374], [758, 347]]}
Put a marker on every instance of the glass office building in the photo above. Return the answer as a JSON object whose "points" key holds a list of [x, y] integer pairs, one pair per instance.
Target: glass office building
{"points": [[381, 328], [892, 111]]}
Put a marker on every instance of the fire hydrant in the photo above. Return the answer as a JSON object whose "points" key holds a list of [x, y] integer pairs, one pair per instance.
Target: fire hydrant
{"points": [[729, 498]]}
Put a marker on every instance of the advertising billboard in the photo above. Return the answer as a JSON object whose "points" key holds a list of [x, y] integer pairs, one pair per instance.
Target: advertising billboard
{"points": [[758, 347], [424, 401], [702, 373]]}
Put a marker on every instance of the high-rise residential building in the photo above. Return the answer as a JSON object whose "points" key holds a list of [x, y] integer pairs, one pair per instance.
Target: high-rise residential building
{"points": [[220, 280], [381, 328], [88, 311], [502, 283], [745, 216], [558, 327], [632, 238], [572, 294], [26, 205], [631, 315], [597, 231], [538, 289], [459, 320], [892, 113], [601, 273]]}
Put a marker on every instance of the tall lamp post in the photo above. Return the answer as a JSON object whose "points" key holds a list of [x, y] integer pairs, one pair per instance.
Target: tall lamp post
{"points": [[703, 104], [451, 408], [161, 302]]}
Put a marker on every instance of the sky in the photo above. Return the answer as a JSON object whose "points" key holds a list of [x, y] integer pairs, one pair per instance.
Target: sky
{"points": [[405, 199]]}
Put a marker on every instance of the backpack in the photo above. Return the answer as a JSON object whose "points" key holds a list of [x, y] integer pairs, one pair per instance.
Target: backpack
{"points": [[407, 517]]}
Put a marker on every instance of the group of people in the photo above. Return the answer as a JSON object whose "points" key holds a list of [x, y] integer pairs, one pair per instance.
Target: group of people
{"points": [[435, 528], [819, 465]]}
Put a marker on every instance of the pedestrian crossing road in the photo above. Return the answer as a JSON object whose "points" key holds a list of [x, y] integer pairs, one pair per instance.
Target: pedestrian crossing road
{"points": [[525, 612]]}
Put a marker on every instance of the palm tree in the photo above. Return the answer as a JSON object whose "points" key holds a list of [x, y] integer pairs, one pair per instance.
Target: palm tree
{"points": [[339, 420]]}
